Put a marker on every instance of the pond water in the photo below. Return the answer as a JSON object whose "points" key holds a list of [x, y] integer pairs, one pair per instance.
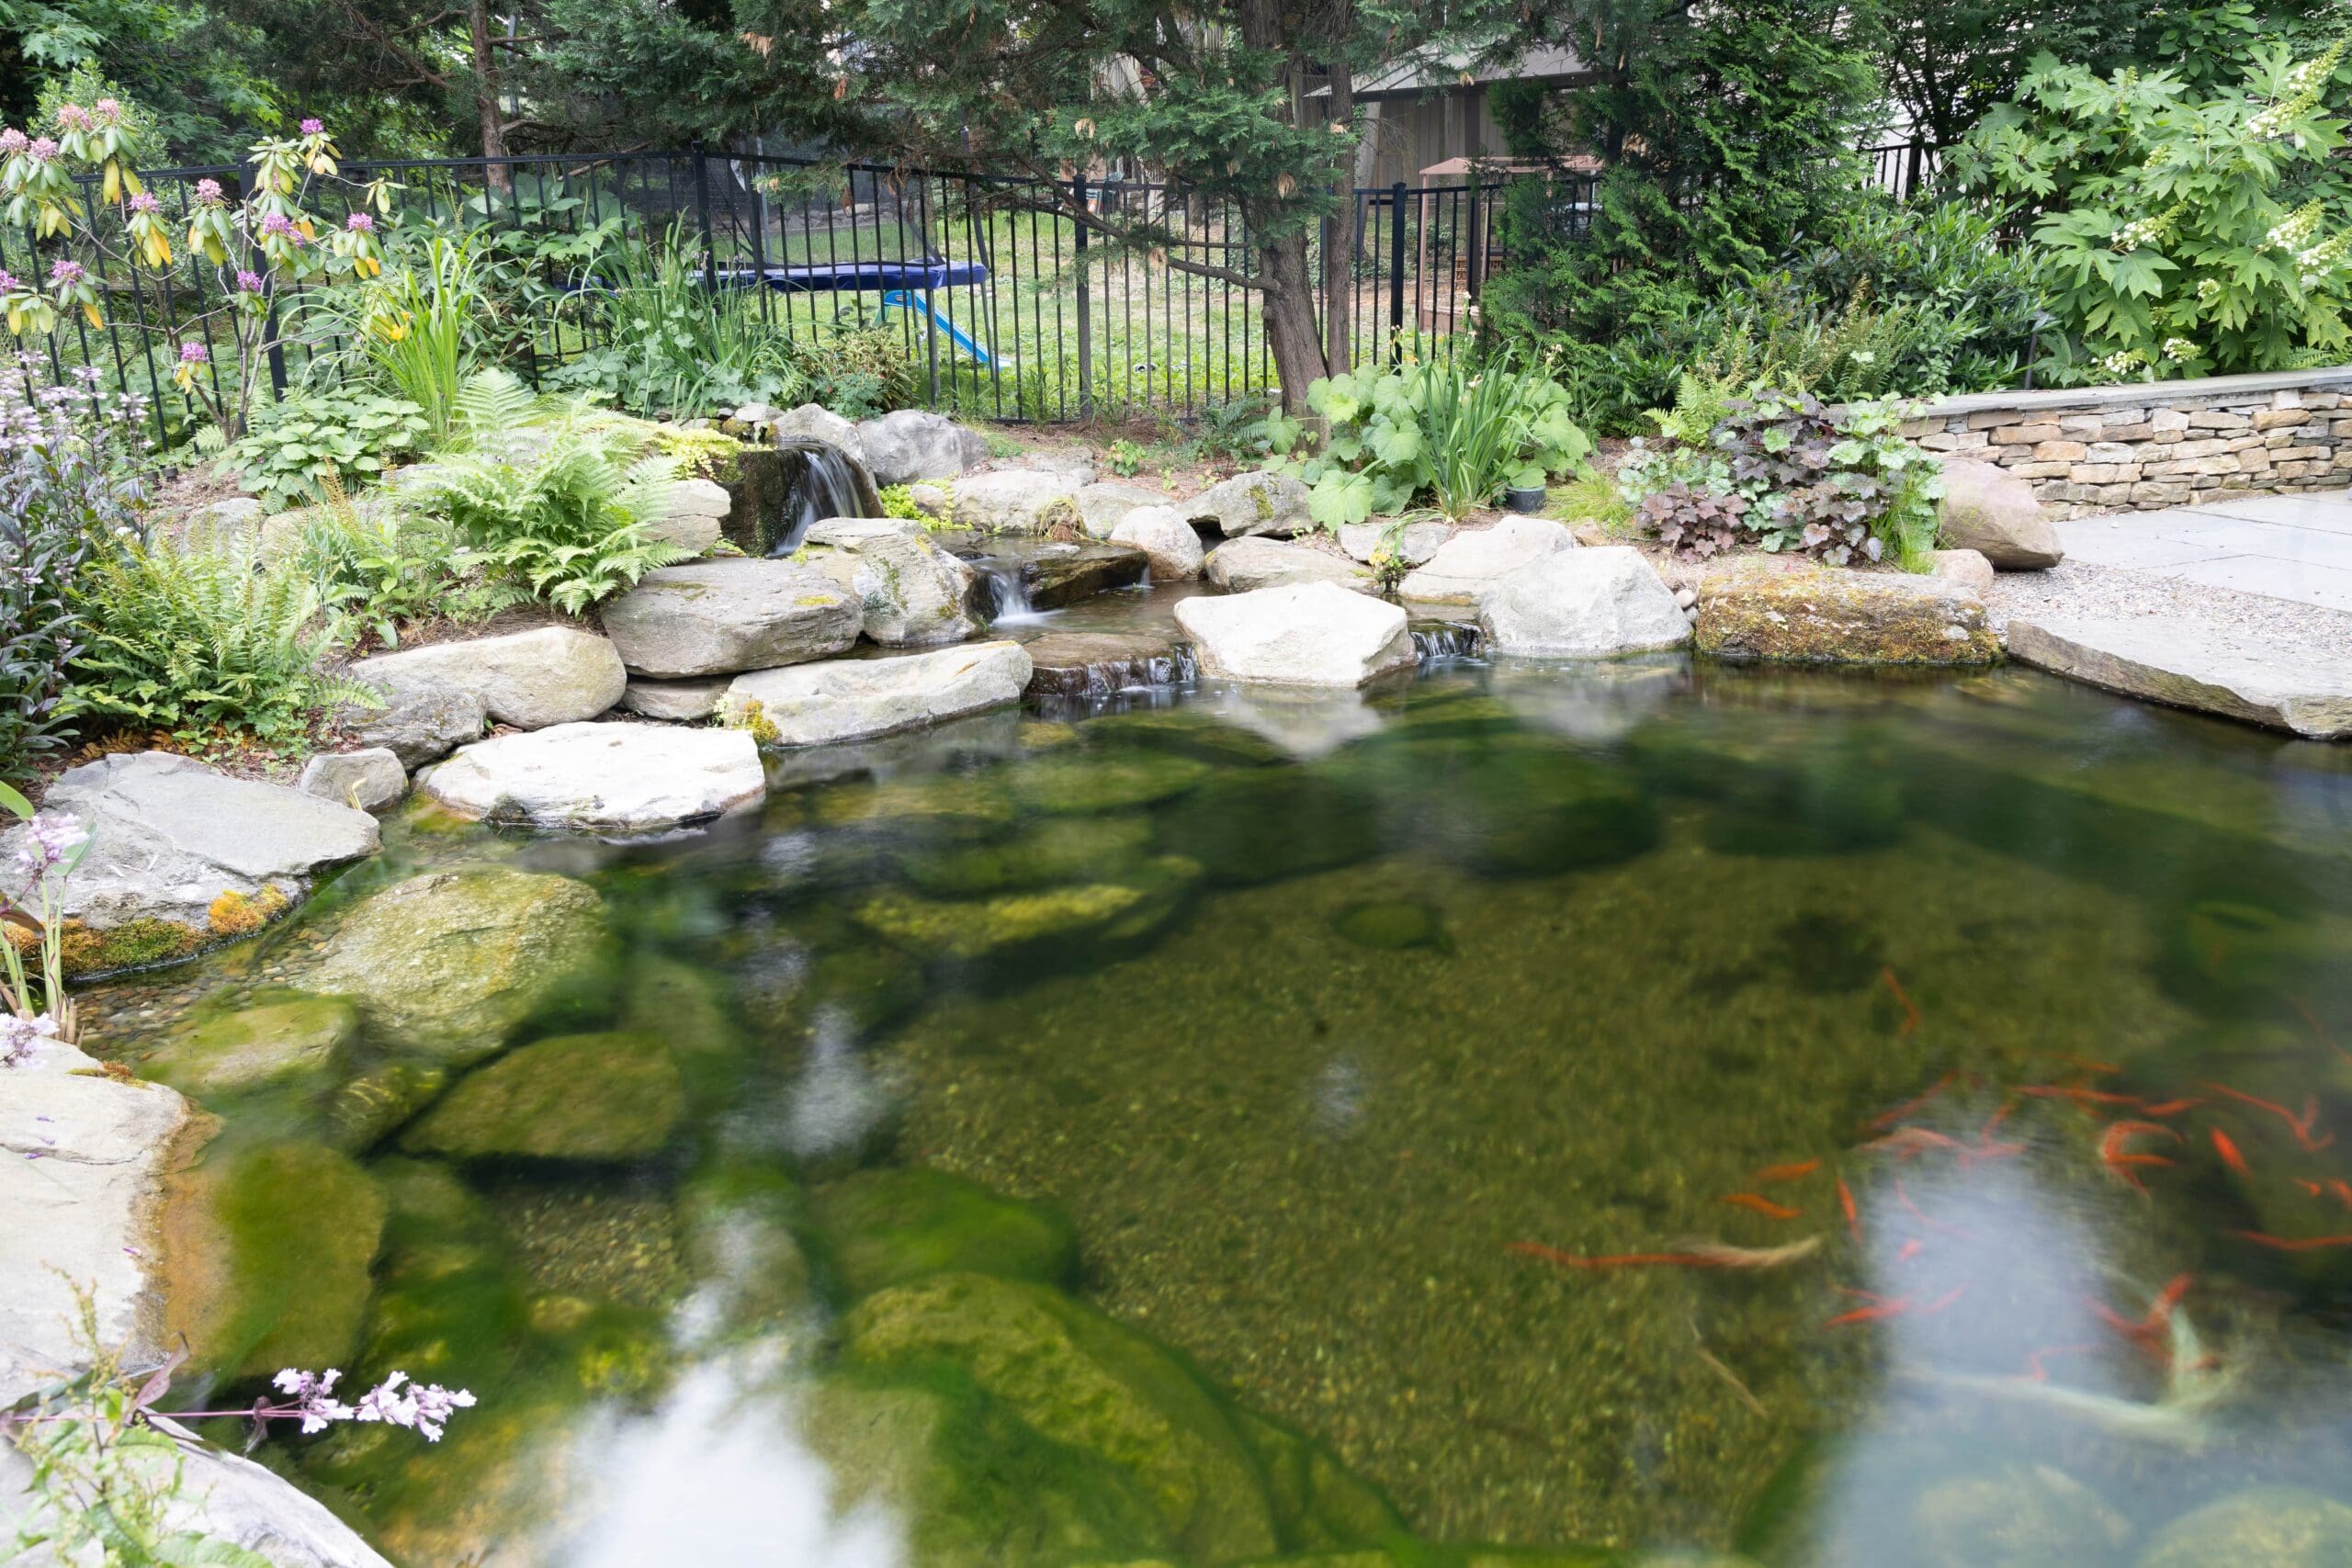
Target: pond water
{"points": [[1605, 1113]]}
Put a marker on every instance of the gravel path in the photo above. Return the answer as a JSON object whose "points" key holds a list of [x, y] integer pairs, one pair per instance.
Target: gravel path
{"points": [[2077, 589]]}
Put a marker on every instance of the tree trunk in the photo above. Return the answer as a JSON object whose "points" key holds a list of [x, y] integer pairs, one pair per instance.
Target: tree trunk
{"points": [[493, 116], [1289, 312], [1340, 236]]}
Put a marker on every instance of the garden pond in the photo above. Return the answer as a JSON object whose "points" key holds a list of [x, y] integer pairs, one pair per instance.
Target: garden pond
{"points": [[1632, 1113]]}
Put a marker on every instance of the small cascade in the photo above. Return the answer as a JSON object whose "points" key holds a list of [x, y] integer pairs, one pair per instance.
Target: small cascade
{"points": [[1440, 642], [1063, 687], [1003, 588], [818, 480]]}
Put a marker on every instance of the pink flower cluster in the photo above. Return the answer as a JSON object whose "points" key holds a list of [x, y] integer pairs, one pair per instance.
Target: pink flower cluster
{"points": [[279, 225], [65, 270], [108, 109], [22, 1039], [12, 140], [43, 148], [360, 223], [145, 202], [73, 116], [424, 1407], [314, 127], [248, 282], [209, 192], [193, 352], [8, 284]]}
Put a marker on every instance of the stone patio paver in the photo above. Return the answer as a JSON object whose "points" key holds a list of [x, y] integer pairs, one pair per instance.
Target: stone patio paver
{"points": [[2297, 548]]}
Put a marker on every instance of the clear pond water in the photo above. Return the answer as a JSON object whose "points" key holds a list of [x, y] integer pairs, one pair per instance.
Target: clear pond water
{"points": [[1254, 1125]]}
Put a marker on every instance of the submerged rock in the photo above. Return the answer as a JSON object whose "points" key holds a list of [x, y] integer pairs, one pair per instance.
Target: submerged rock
{"points": [[2020, 1515], [1319, 1502], [582, 1097], [977, 1486], [2278, 1527], [721, 617], [1393, 925], [1312, 635], [1113, 912], [268, 1251], [851, 699], [601, 778], [1061, 849], [169, 837], [885, 1227], [454, 962], [287, 1037], [1080, 783], [911, 593], [1081, 1379], [1244, 828], [1834, 615], [530, 680]]}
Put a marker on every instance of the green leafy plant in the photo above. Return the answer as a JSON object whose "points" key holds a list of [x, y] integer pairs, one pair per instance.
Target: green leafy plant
{"points": [[1126, 458], [670, 345], [556, 513], [295, 449], [858, 370], [1445, 429], [1242, 430], [414, 327], [196, 639], [2187, 232], [388, 568]]}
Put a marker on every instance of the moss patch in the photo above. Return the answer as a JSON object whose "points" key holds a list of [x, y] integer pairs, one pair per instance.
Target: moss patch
{"points": [[885, 1227], [586, 1097]]}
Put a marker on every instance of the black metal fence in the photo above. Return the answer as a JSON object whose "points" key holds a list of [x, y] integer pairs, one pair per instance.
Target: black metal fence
{"points": [[1007, 305]]}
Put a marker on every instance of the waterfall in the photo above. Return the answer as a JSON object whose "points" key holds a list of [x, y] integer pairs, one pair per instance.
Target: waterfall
{"points": [[1440, 641], [820, 480], [1004, 583]]}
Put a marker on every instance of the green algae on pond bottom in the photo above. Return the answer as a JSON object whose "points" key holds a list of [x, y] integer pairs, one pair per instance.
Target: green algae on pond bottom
{"points": [[1122, 1140]]}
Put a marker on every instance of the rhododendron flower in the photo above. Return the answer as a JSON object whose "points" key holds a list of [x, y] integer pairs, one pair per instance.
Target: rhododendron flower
{"points": [[360, 223], [12, 140], [108, 108], [145, 202], [73, 116], [8, 284], [314, 127], [66, 271], [248, 282], [194, 354], [207, 191], [43, 148]]}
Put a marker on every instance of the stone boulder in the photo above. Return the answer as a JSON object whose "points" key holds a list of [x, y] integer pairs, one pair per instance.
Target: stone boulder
{"points": [[614, 1096], [1084, 664], [721, 617], [1055, 574], [1019, 928], [692, 510], [1245, 565], [530, 680], [1315, 633], [913, 594], [267, 1248], [1967, 568], [1475, 559], [814, 422], [601, 778], [169, 836], [853, 699], [1248, 505], [1101, 506], [1017, 500], [1582, 604], [1171, 544], [367, 780], [882, 1228], [678, 702], [1995, 513], [285, 1038], [1832, 616], [2182, 662], [1415, 542], [453, 962], [1087, 1383], [418, 724], [911, 444], [82, 1158], [2278, 1527]]}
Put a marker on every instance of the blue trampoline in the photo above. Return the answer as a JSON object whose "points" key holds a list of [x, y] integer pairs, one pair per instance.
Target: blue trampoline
{"points": [[900, 283]]}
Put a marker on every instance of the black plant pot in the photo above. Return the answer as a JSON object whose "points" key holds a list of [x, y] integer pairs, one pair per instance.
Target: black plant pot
{"points": [[1527, 503]]}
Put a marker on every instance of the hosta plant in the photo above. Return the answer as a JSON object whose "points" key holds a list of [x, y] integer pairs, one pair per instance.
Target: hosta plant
{"points": [[2188, 232]]}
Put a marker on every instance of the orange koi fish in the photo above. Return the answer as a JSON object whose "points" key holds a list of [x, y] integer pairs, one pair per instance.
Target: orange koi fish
{"points": [[1909, 1250], [2302, 1126], [1846, 1203], [1908, 1143], [1762, 1205], [1910, 1013], [2080, 1095], [2229, 1153], [1904, 1111], [2292, 1244], [1772, 1174], [2171, 1107]]}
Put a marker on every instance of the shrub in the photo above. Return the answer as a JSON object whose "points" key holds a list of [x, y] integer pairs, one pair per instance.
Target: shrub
{"points": [[670, 345], [198, 641], [67, 488], [858, 371], [2186, 233], [298, 447], [419, 328], [388, 568], [554, 512], [1447, 429]]}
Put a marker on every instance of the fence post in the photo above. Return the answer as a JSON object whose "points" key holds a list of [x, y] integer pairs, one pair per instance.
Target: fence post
{"points": [[1085, 314], [702, 214], [1918, 163], [1476, 240], [1396, 271]]}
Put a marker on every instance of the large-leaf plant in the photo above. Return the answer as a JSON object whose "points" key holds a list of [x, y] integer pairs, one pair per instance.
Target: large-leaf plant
{"points": [[1443, 431], [2188, 232]]}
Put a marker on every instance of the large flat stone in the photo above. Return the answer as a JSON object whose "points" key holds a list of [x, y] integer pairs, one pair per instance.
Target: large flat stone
{"points": [[851, 699], [911, 593], [721, 617], [1171, 544], [1261, 503], [1077, 664], [169, 835], [1245, 565], [601, 778], [1588, 603], [530, 680], [2178, 662], [1475, 559], [1314, 633], [1833, 616], [1016, 501]]}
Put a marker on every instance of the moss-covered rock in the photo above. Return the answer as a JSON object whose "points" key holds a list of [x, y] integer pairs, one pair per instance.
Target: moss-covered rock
{"points": [[1393, 925], [600, 1243], [273, 1039], [1081, 1379], [1107, 912], [266, 1257], [738, 1225], [448, 1307], [949, 806], [368, 1107], [2278, 1527], [1266, 824], [1059, 850], [133, 944], [2020, 1515], [1319, 1504], [682, 1003], [1836, 616], [978, 1486], [885, 1228], [614, 1096], [456, 962], [1078, 784]]}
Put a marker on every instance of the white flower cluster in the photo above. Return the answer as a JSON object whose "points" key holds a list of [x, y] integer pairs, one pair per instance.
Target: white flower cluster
{"points": [[2208, 290], [2123, 362], [2313, 265], [2179, 350], [2294, 230], [2139, 232]]}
